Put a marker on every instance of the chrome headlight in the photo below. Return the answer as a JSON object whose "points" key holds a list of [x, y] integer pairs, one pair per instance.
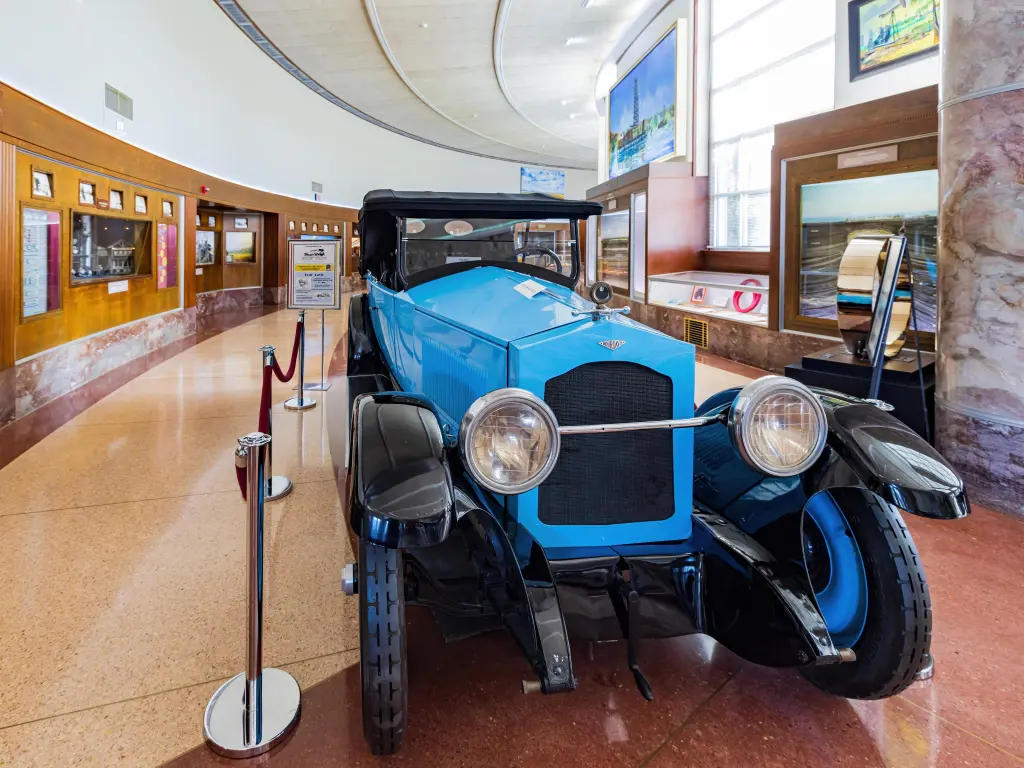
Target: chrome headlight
{"points": [[778, 425], [509, 441]]}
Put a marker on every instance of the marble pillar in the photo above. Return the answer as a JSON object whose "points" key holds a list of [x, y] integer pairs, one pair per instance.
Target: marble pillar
{"points": [[980, 384]]}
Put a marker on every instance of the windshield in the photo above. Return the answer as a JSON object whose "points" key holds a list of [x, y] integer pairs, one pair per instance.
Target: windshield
{"points": [[547, 244]]}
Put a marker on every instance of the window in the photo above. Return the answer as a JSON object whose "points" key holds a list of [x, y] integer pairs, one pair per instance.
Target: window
{"points": [[771, 61], [613, 248]]}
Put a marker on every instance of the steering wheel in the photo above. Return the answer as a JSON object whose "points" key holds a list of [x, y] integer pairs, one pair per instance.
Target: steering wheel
{"points": [[540, 250]]}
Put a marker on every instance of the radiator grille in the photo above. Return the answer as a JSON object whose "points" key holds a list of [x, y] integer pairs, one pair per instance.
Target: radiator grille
{"points": [[624, 477], [695, 332]]}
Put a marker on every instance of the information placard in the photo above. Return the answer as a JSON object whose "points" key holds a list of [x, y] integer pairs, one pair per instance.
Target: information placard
{"points": [[313, 281]]}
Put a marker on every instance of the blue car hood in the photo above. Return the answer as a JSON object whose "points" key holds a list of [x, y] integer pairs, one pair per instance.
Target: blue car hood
{"points": [[485, 301]]}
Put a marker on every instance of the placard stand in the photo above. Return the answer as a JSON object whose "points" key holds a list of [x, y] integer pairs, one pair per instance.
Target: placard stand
{"points": [[323, 384], [313, 283]]}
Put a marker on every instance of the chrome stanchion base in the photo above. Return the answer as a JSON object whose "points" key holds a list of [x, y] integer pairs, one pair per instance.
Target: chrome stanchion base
{"points": [[927, 669], [278, 487], [299, 403], [223, 724]]}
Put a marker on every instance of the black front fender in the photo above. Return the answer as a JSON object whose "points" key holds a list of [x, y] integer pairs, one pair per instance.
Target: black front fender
{"points": [[398, 485], [893, 461], [867, 447]]}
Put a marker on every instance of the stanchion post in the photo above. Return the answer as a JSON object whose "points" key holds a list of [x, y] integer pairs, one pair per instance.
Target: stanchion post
{"points": [[323, 385], [277, 486], [300, 402], [255, 710]]}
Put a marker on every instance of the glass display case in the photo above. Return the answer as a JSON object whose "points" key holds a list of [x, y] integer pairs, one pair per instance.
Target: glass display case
{"points": [[613, 249], [108, 248], [741, 298]]}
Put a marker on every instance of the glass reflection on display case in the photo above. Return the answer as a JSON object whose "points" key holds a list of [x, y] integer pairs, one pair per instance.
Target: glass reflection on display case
{"points": [[40, 262], [834, 213], [103, 247], [742, 298], [613, 249]]}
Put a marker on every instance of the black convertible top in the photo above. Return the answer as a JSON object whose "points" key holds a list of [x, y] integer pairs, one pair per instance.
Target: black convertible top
{"points": [[475, 204]]}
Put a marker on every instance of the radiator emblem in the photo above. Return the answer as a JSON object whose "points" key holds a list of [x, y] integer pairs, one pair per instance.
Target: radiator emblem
{"points": [[612, 344]]}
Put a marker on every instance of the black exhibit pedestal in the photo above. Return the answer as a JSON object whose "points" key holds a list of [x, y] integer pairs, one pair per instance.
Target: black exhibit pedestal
{"points": [[837, 369]]}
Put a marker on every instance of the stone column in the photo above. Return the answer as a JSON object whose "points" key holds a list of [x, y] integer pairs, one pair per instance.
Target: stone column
{"points": [[980, 382]]}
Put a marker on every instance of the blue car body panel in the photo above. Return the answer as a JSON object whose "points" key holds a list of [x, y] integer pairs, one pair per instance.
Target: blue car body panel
{"points": [[456, 338], [534, 360], [485, 302]]}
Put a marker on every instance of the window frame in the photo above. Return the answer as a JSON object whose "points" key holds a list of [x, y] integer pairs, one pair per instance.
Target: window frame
{"points": [[714, 196]]}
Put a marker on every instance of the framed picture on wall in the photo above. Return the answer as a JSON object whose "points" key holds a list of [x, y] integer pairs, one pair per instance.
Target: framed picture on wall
{"points": [[205, 248], [303, 226], [86, 193], [116, 200], [168, 209], [291, 226], [211, 221], [884, 33], [241, 223], [42, 184], [141, 204], [240, 247], [335, 229]]}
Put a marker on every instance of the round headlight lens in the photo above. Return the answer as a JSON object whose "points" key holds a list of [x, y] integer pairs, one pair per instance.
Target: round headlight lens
{"points": [[778, 426], [509, 441]]}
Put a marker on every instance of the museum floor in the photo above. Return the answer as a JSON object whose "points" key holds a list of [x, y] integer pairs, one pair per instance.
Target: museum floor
{"points": [[122, 532]]}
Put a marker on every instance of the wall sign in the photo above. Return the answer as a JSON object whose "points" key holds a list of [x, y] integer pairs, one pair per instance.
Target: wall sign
{"points": [[313, 281]]}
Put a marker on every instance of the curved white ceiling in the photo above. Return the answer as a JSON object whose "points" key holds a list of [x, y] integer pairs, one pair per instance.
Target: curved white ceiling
{"points": [[490, 77]]}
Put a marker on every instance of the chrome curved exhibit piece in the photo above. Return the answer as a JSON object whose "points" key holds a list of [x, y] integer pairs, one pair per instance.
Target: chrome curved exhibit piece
{"points": [[860, 274], [522, 459]]}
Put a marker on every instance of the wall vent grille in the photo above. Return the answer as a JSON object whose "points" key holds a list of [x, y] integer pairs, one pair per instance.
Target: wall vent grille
{"points": [[696, 332], [118, 102]]}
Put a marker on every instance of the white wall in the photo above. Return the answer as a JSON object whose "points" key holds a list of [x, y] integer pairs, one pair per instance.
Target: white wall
{"points": [[206, 97], [905, 77]]}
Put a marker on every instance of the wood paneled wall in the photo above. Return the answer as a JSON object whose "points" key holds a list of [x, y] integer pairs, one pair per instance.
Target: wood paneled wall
{"points": [[87, 307], [212, 278], [32, 126]]}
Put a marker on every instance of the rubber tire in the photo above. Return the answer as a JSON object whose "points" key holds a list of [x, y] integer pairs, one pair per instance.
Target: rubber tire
{"points": [[383, 667], [897, 634]]}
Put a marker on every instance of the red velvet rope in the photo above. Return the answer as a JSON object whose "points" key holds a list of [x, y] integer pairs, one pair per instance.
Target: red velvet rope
{"points": [[264, 421], [242, 476], [286, 377]]}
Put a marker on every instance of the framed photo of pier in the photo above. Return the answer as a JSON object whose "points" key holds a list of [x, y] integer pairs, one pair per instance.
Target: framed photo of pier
{"points": [[885, 33]]}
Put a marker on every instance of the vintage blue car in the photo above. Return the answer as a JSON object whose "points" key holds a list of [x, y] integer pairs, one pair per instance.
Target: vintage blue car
{"points": [[523, 458]]}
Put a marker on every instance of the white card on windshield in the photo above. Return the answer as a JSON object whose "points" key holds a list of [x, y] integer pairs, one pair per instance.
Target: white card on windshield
{"points": [[529, 288]]}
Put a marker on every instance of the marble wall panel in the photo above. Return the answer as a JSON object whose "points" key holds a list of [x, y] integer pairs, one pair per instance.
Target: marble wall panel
{"points": [[38, 380], [229, 300]]}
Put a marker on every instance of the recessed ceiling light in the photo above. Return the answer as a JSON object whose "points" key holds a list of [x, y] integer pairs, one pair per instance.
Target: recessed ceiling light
{"points": [[572, 115], [424, 25], [573, 41], [564, 102]]}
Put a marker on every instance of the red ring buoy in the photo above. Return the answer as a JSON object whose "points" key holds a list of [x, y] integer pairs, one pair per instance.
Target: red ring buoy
{"points": [[739, 294]]}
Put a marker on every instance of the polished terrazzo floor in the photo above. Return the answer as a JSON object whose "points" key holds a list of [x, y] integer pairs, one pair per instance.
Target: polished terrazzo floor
{"points": [[122, 610]]}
